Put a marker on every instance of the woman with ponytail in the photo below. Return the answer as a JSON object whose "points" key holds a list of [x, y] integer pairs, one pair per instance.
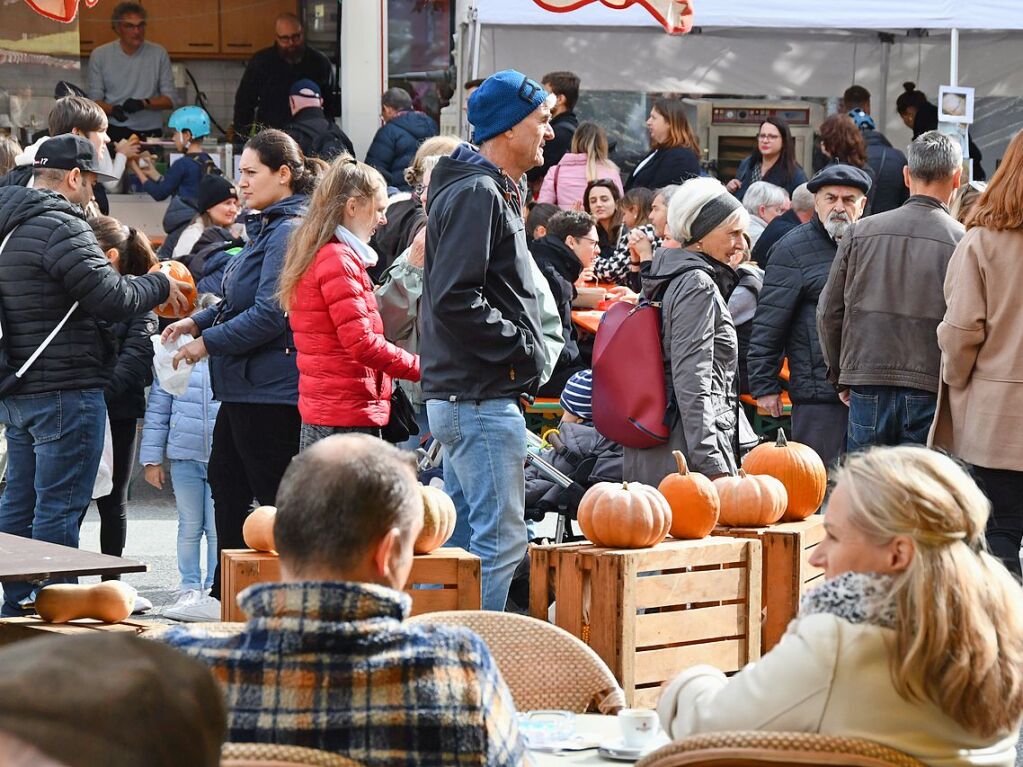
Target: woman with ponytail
{"points": [[346, 365], [914, 640], [132, 371], [251, 348]]}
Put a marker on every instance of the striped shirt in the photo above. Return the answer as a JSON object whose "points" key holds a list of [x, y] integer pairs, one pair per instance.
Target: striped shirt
{"points": [[331, 665]]}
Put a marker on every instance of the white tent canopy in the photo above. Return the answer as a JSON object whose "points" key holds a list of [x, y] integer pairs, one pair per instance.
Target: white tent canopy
{"points": [[797, 14]]}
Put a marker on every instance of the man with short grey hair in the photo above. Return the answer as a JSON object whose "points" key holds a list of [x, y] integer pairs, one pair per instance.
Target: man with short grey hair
{"points": [[879, 311], [395, 143], [765, 202]]}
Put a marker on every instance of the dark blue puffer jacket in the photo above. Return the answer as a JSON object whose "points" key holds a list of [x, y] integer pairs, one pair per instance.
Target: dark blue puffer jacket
{"points": [[395, 144], [252, 350]]}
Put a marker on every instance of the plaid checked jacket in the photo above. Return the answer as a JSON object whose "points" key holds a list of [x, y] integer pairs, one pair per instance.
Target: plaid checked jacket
{"points": [[332, 666]]}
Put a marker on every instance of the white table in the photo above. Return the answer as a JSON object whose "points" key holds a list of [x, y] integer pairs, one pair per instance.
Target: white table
{"points": [[591, 726]]}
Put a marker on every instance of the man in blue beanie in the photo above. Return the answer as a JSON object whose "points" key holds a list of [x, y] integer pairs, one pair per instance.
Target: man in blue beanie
{"points": [[480, 335]]}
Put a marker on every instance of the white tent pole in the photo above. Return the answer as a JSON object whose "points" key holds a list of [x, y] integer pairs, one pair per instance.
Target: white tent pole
{"points": [[881, 118], [953, 68]]}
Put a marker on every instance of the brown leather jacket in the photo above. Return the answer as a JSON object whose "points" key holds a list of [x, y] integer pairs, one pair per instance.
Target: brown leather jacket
{"points": [[879, 311]]}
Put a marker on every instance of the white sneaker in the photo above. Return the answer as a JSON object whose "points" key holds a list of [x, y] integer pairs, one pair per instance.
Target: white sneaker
{"points": [[142, 605], [185, 597], [201, 609]]}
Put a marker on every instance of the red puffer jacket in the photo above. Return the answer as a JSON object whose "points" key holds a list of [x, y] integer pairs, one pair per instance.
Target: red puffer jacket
{"points": [[345, 364]]}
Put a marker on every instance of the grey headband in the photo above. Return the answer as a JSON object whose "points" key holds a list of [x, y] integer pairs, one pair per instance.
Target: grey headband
{"points": [[712, 215]]}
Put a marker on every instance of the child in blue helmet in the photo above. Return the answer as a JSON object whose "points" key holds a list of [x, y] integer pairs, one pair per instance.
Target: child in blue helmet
{"points": [[191, 125]]}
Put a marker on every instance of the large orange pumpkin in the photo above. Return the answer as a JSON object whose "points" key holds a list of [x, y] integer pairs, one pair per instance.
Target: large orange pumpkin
{"points": [[694, 501], [624, 516], [751, 500], [439, 519], [798, 467], [177, 271], [258, 529]]}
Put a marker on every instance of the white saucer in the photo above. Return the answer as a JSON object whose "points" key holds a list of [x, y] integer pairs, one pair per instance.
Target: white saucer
{"points": [[616, 749]]}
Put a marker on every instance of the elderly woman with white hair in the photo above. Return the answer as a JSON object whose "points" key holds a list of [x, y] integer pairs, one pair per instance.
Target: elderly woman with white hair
{"points": [[693, 283], [764, 202]]}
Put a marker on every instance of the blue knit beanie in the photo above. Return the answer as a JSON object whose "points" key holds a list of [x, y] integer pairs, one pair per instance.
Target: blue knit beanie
{"points": [[501, 102]]}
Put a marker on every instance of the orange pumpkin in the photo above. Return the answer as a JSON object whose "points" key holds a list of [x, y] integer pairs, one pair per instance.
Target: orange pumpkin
{"points": [[439, 519], [624, 516], [258, 529], [751, 500], [798, 467], [177, 271], [694, 501]]}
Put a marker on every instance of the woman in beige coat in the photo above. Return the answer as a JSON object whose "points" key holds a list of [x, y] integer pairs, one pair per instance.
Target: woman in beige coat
{"points": [[914, 640], [979, 417]]}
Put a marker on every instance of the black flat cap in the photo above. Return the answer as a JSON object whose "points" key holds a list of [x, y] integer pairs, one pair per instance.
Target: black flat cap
{"points": [[840, 175]]}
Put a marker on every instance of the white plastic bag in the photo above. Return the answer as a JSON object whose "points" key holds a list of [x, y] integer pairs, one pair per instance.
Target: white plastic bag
{"points": [[171, 381], [104, 483]]}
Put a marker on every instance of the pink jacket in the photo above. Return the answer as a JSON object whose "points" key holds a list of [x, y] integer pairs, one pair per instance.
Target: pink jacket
{"points": [[565, 183]]}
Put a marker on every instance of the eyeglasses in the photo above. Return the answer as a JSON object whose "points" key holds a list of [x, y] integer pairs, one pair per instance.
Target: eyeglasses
{"points": [[128, 26], [595, 244], [768, 137], [295, 38]]}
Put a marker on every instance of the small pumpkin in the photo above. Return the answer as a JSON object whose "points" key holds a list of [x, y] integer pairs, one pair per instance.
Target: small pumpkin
{"points": [[695, 505], [624, 516], [258, 529], [177, 271], [798, 467], [439, 517], [751, 500], [109, 601]]}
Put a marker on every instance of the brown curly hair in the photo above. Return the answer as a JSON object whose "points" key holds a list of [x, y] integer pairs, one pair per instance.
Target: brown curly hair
{"points": [[843, 140]]}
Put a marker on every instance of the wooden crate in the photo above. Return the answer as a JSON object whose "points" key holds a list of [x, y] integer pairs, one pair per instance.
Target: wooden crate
{"points": [[18, 629], [787, 572], [655, 612], [452, 574]]}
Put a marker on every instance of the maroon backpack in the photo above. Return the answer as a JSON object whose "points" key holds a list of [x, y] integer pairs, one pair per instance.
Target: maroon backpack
{"points": [[629, 396]]}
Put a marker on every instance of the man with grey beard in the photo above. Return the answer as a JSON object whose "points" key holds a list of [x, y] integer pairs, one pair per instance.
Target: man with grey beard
{"points": [[785, 323]]}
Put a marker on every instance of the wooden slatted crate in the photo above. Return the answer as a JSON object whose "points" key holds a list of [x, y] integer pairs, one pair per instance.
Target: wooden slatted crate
{"points": [[652, 613], [451, 577], [787, 572], [18, 629]]}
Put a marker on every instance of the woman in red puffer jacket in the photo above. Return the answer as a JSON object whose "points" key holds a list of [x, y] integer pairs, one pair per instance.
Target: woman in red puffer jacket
{"points": [[345, 365]]}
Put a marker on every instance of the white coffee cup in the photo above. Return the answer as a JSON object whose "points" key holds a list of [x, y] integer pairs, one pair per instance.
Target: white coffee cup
{"points": [[639, 726]]}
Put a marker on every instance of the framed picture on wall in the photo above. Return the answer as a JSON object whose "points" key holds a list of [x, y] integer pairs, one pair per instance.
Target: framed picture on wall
{"points": [[955, 104]]}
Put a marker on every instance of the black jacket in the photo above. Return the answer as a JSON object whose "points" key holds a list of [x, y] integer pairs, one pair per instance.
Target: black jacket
{"points": [[786, 320], [404, 220], [309, 127], [394, 146], [561, 267], [667, 166], [479, 320], [564, 126], [777, 175], [133, 371], [887, 162], [51, 261], [262, 95], [778, 228]]}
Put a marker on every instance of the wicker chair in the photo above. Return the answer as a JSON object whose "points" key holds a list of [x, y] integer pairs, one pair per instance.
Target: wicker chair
{"points": [[545, 666], [756, 749], [276, 755]]}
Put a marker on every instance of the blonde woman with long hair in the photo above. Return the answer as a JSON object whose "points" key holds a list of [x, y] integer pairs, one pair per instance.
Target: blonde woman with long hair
{"points": [[914, 640], [565, 183], [345, 365]]}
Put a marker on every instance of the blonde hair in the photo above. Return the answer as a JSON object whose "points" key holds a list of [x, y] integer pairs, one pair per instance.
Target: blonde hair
{"points": [[435, 145], [346, 179], [591, 140], [959, 633]]}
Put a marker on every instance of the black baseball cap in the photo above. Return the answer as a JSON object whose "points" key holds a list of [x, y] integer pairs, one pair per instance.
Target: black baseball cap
{"points": [[67, 152]]}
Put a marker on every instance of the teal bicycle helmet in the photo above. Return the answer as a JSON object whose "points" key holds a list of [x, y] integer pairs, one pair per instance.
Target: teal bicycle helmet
{"points": [[191, 119]]}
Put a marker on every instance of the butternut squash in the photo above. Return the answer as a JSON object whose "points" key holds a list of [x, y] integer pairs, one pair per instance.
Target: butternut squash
{"points": [[109, 601], [258, 529]]}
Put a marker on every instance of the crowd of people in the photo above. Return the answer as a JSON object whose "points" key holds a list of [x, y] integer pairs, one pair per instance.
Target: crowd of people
{"points": [[346, 305]]}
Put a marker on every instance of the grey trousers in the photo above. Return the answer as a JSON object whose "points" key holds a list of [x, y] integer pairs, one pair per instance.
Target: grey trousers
{"points": [[822, 427]]}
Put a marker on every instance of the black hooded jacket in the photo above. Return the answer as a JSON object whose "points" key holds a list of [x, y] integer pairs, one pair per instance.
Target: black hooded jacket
{"points": [[479, 321], [889, 190], [562, 268], [52, 260]]}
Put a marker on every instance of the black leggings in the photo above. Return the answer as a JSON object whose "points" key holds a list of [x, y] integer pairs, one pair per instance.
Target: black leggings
{"points": [[1004, 488], [113, 508], [252, 446]]}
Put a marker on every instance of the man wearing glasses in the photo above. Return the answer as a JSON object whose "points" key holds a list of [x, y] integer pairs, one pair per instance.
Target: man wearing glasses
{"points": [[262, 97], [130, 78]]}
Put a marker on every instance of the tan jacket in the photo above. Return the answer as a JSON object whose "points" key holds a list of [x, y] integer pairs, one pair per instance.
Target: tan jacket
{"points": [[831, 676], [980, 401]]}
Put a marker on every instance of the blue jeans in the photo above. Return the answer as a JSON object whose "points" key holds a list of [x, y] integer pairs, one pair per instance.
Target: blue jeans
{"points": [[54, 444], [888, 415], [484, 452], [195, 517]]}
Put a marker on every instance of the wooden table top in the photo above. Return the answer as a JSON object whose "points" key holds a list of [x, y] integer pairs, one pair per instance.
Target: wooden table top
{"points": [[24, 559]]}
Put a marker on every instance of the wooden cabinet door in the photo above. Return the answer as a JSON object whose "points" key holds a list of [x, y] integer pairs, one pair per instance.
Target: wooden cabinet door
{"points": [[184, 27], [247, 26]]}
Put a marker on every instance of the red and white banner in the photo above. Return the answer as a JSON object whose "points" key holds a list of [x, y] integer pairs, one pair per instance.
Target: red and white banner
{"points": [[58, 10], [676, 16]]}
